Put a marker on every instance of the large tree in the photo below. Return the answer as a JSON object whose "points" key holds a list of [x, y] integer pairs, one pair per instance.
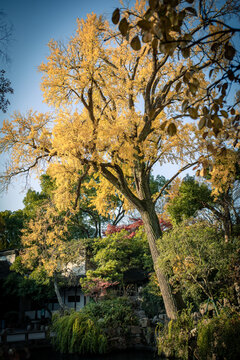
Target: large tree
{"points": [[119, 111]]}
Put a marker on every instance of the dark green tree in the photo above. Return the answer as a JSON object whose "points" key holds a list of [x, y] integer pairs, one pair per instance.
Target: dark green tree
{"points": [[116, 253], [11, 224], [193, 196], [199, 262]]}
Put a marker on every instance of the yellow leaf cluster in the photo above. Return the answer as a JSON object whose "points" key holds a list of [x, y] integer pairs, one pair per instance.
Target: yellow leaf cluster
{"points": [[113, 107], [223, 171]]}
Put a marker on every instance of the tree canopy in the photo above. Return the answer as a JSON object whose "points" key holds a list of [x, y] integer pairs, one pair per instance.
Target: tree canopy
{"points": [[199, 262], [116, 253], [188, 198], [122, 108]]}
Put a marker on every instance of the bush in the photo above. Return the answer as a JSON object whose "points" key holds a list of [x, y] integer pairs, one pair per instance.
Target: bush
{"points": [[77, 333], [112, 313], [85, 331], [197, 261], [152, 301], [219, 337], [173, 338]]}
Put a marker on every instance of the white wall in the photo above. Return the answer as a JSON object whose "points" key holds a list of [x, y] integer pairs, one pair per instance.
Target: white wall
{"points": [[55, 306]]}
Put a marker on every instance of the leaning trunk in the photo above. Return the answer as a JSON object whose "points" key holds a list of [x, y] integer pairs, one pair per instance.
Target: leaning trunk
{"points": [[227, 224], [144, 204], [153, 231]]}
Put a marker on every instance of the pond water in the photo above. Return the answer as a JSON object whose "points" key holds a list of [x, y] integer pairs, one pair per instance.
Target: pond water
{"points": [[49, 354]]}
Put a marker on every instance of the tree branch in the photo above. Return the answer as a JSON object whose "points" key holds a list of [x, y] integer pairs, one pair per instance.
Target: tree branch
{"points": [[173, 177]]}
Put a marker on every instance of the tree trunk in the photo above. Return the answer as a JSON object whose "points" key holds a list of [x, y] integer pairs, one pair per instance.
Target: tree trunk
{"points": [[146, 207], [153, 231], [227, 223], [57, 292]]}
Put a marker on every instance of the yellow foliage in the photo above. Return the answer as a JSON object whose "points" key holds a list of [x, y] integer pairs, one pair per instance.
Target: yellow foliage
{"points": [[45, 242], [113, 106], [223, 171]]}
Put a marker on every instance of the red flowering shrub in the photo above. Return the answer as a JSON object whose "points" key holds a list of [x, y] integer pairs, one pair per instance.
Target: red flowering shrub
{"points": [[96, 287]]}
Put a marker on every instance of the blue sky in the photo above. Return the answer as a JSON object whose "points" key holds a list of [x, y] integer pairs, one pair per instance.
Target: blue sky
{"points": [[35, 22]]}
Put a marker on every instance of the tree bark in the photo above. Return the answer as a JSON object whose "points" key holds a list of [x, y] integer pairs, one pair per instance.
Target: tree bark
{"points": [[227, 223], [153, 231], [57, 292]]}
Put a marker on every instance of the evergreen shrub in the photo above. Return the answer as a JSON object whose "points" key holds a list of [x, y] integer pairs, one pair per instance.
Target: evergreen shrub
{"points": [[173, 337], [219, 337]]}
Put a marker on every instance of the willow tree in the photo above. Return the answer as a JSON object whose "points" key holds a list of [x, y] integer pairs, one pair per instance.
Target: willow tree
{"points": [[119, 110]]}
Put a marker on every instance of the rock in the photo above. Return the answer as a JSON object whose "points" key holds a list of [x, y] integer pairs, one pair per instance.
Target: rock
{"points": [[136, 330], [196, 316], [144, 322], [162, 318], [140, 313], [117, 343], [193, 332]]}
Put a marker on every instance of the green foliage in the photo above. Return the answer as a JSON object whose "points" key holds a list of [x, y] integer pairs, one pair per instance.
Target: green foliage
{"points": [[117, 253], [191, 197], [22, 282], [156, 184], [219, 337], [85, 331], [83, 223], [78, 333], [11, 224], [19, 285], [197, 259], [113, 313], [173, 338], [34, 199], [151, 297]]}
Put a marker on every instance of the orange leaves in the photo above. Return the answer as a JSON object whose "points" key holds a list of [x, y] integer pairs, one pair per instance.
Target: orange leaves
{"points": [[182, 265]]}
